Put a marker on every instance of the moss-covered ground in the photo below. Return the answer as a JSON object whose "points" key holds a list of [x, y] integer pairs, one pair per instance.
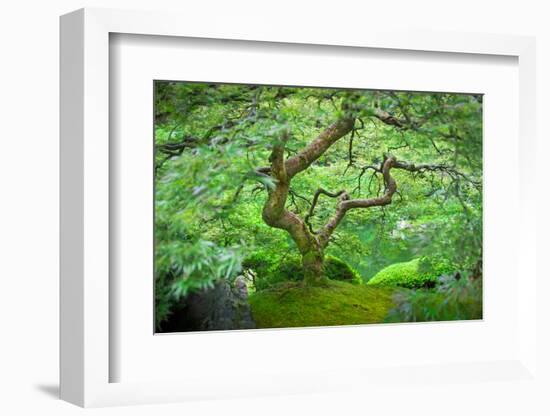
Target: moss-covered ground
{"points": [[333, 303]]}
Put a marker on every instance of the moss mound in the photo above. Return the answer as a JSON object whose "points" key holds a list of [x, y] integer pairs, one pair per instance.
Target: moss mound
{"points": [[417, 273], [334, 303]]}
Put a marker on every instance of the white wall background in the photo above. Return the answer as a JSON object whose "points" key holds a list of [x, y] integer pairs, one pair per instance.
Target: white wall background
{"points": [[29, 181]]}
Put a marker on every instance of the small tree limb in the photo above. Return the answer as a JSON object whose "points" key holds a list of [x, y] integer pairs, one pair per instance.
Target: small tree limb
{"points": [[319, 192]]}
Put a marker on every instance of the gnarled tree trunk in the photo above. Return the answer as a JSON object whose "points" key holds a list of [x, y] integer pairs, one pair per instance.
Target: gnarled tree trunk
{"points": [[313, 264], [276, 215]]}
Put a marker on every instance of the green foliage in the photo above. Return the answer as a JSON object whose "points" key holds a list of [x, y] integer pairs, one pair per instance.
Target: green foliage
{"points": [[336, 303], [453, 300], [337, 269], [271, 272], [184, 267], [419, 272], [430, 266], [259, 262]]}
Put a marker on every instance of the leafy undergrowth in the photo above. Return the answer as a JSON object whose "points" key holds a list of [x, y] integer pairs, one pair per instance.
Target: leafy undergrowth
{"points": [[452, 300], [333, 303]]}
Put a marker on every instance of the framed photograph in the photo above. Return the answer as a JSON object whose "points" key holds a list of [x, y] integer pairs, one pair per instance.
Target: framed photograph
{"points": [[241, 214]]}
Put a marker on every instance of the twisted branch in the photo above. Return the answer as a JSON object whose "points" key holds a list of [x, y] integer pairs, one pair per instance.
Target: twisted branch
{"points": [[319, 192], [316, 148], [425, 167]]}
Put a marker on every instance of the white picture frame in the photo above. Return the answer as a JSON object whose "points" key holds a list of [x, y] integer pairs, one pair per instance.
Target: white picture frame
{"points": [[85, 220]]}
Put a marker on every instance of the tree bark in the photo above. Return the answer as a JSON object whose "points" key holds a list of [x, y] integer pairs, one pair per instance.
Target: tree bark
{"points": [[313, 264]]}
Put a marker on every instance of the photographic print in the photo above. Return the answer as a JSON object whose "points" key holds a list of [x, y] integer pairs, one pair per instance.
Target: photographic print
{"points": [[290, 206]]}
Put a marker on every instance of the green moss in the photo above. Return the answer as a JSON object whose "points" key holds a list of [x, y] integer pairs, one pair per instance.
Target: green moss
{"points": [[334, 303], [417, 273]]}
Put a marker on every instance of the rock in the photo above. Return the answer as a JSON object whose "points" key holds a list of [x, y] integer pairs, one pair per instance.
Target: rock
{"points": [[222, 308]]}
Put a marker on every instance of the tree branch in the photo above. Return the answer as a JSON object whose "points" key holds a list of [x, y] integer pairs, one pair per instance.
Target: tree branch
{"points": [[345, 204], [314, 150], [274, 212], [390, 119], [449, 170], [314, 203], [385, 199]]}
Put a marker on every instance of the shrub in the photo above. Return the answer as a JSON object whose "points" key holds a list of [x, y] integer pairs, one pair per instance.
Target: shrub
{"points": [[399, 274], [290, 269], [336, 269], [435, 266], [417, 273], [259, 262], [270, 273], [452, 300], [272, 270]]}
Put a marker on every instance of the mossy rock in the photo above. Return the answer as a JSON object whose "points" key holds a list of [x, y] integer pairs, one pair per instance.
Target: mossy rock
{"points": [[334, 303], [417, 273]]}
